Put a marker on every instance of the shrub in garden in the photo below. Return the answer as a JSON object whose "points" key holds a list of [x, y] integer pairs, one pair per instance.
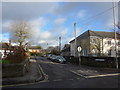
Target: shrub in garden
{"points": [[17, 55]]}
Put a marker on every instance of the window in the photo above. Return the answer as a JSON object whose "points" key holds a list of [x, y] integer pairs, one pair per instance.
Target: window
{"points": [[119, 53], [94, 40], [94, 52], [85, 52], [109, 52], [118, 42], [109, 42]]}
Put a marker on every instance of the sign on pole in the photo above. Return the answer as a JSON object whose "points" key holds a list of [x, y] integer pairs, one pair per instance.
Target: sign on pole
{"points": [[79, 49]]}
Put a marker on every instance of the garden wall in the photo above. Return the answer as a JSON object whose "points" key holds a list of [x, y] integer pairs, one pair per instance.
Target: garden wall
{"points": [[15, 70], [94, 61]]}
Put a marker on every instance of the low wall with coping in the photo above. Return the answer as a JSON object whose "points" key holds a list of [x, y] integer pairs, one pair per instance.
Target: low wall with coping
{"points": [[15, 70], [109, 62]]}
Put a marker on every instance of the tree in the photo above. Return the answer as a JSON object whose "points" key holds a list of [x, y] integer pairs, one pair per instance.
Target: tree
{"points": [[20, 30], [96, 45]]}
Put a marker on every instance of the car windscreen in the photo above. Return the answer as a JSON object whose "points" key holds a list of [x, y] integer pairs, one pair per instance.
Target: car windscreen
{"points": [[61, 58]]}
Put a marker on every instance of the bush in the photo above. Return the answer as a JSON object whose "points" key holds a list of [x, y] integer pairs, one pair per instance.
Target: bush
{"points": [[17, 55], [4, 61]]}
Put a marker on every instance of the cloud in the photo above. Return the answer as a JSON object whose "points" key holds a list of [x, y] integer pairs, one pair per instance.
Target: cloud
{"points": [[26, 10], [45, 35], [65, 31], [81, 14], [38, 22], [59, 21], [41, 41]]}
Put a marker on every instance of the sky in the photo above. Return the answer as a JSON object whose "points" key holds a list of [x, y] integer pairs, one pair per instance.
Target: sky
{"points": [[51, 20]]}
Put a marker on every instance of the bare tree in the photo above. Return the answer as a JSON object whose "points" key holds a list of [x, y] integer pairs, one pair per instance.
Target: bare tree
{"points": [[20, 30]]}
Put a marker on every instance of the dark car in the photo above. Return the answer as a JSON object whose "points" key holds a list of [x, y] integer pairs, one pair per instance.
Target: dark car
{"points": [[60, 59], [49, 56], [43, 55], [52, 57]]}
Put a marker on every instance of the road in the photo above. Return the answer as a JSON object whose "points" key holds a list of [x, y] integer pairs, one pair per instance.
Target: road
{"points": [[60, 76]]}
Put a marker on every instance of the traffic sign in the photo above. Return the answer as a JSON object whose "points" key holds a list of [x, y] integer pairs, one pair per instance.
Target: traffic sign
{"points": [[79, 49]]}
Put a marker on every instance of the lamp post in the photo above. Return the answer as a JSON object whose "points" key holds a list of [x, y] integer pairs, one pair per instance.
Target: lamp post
{"points": [[115, 35], [75, 37]]}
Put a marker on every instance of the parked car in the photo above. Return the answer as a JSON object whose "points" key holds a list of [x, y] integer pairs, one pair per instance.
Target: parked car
{"points": [[53, 58], [49, 56], [43, 55], [60, 59]]}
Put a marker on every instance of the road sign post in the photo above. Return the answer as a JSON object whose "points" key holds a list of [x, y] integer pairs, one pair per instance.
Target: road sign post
{"points": [[79, 50]]}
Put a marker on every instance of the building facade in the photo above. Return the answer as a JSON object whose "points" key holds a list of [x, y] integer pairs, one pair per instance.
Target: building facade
{"points": [[66, 50], [94, 43]]}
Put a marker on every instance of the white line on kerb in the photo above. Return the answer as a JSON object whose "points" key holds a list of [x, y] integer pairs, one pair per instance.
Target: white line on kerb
{"points": [[78, 74], [103, 75], [57, 80]]}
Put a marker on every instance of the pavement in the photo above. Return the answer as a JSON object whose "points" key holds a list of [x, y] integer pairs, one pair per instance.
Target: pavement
{"points": [[33, 75], [90, 72]]}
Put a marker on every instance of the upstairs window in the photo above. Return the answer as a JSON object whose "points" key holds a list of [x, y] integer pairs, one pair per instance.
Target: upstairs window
{"points": [[118, 42], [109, 42], [94, 40]]}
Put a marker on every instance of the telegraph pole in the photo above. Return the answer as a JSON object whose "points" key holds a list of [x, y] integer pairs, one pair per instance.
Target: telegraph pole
{"points": [[75, 37], [115, 36], [59, 44]]}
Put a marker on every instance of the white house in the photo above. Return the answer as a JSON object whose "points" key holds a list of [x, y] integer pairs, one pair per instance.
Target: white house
{"points": [[96, 43]]}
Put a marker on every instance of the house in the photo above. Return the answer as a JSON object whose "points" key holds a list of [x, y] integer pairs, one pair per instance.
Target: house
{"points": [[95, 43], [51, 48], [34, 49], [4, 48], [66, 50]]}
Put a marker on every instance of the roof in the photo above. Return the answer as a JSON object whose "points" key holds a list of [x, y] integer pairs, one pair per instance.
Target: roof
{"points": [[4, 45], [97, 33], [66, 48], [33, 47]]}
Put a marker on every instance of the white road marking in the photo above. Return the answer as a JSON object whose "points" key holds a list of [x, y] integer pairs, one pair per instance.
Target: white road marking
{"points": [[103, 75], [57, 80], [71, 79], [78, 78], [78, 74], [48, 62], [100, 75], [32, 60]]}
